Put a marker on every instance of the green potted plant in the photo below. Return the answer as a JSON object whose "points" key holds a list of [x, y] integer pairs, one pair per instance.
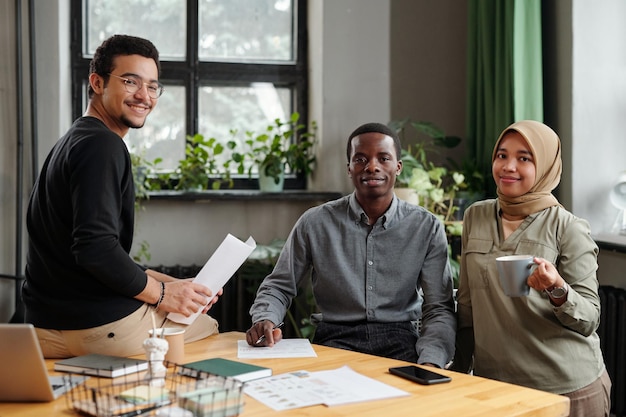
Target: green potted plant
{"points": [[428, 137], [473, 188], [281, 146], [200, 169], [402, 188], [443, 190], [436, 189], [141, 169]]}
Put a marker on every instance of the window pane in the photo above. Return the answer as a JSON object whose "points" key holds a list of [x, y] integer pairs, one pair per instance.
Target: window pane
{"points": [[163, 135], [246, 30], [262, 33], [250, 108], [163, 22]]}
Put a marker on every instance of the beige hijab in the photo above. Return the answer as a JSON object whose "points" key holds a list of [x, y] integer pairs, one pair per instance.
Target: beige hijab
{"points": [[545, 147]]}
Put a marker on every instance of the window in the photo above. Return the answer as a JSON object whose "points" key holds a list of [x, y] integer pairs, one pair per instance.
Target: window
{"points": [[225, 64]]}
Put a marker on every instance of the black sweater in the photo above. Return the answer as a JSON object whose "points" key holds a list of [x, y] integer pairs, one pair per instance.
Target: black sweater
{"points": [[80, 222]]}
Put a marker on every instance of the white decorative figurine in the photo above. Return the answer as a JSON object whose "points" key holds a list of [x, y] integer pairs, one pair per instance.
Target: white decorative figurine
{"points": [[156, 348]]}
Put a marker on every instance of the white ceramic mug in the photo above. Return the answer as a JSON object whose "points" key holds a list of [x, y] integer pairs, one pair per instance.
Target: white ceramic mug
{"points": [[514, 271]]}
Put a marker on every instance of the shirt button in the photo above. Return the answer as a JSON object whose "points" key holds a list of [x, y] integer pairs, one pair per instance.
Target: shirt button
{"points": [[370, 263], [369, 287]]}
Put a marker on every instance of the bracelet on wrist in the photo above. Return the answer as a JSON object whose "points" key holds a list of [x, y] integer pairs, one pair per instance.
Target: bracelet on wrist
{"points": [[160, 300]]}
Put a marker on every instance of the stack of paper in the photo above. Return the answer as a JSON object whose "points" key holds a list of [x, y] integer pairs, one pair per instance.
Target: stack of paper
{"points": [[220, 267], [286, 348], [335, 387]]}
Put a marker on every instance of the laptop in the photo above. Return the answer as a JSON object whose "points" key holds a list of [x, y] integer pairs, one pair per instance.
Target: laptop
{"points": [[24, 376]]}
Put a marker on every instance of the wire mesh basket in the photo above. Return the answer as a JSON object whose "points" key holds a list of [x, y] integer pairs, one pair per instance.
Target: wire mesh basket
{"points": [[180, 393]]}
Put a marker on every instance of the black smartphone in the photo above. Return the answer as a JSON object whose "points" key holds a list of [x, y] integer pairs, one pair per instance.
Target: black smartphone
{"points": [[419, 375]]}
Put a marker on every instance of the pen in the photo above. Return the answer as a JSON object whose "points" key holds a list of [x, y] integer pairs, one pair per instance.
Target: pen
{"points": [[262, 338]]}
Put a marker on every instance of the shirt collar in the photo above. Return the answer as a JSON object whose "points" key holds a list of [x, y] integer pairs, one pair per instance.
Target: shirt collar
{"points": [[359, 215]]}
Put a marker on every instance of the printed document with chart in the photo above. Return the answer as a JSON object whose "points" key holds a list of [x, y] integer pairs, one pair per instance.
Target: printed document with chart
{"points": [[220, 267], [332, 387]]}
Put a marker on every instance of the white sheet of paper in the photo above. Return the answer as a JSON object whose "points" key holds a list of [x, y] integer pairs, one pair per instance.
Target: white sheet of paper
{"points": [[220, 267], [286, 348], [333, 387], [352, 387], [285, 391]]}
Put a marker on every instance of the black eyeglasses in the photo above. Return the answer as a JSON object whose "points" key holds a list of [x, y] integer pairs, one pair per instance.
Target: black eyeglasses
{"points": [[132, 84]]}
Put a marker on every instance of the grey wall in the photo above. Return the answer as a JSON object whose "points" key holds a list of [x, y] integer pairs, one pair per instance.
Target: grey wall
{"points": [[428, 62], [8, 133]]}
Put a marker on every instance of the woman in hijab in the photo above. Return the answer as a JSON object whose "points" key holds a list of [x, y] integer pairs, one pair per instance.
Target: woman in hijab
{"points": [[546, 340]]}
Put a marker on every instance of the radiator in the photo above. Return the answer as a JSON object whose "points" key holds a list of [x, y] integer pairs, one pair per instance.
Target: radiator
{"points": [[232, 309], [612, 332]]}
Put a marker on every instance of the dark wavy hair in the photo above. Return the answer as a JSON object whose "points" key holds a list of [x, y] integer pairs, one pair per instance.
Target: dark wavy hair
{"points": [[376, 128], [102, 62]]}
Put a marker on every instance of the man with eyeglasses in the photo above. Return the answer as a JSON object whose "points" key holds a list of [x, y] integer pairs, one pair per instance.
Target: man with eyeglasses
{"points": [[83, 292]]}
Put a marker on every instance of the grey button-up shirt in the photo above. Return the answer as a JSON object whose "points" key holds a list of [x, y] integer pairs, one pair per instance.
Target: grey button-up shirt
{"points": [[368, 273]]}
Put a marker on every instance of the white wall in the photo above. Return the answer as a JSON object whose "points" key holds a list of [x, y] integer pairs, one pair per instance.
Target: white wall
{"points": [[589, 106], [598, 107]]}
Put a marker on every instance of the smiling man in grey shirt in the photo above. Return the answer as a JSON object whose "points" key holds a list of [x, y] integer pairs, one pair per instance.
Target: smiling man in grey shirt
{"points": [[368, 255]]}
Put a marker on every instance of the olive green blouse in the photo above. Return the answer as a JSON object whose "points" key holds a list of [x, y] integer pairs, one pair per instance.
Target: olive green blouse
{"points": [[526, 340]]}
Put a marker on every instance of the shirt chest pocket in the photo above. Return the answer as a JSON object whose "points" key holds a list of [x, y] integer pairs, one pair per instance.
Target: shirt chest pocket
{"points": [[536, 249], [478, 257]]}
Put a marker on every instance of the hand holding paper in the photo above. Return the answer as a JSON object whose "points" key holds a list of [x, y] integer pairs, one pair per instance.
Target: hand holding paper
{"points": [[220, 267]]}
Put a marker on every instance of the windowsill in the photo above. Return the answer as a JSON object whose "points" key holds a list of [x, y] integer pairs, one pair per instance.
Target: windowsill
{"points": [[615, 243], [225, 195]]}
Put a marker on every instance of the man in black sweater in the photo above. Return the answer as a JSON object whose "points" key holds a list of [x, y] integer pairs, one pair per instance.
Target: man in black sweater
{"points": [[83, 292]]}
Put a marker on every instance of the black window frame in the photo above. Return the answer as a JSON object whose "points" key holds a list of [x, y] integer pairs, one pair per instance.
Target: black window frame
{"points": [[191, 73]]}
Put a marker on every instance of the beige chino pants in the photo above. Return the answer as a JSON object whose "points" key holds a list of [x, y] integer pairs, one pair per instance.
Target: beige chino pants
{"points": [[123, 337]]}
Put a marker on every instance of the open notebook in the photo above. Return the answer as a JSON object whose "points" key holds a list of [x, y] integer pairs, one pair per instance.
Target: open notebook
{"points": [[24, 376]]}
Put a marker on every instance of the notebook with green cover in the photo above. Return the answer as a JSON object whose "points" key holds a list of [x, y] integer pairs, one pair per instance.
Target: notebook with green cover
{"points": [[227, 368]]}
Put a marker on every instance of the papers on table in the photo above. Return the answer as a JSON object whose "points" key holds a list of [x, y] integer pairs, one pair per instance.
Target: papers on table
{"points": [[334, 387], [220, 267], [286, 348]]}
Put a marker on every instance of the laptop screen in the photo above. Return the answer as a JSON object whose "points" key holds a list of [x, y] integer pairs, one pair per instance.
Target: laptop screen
{"points": [[24, 376]]}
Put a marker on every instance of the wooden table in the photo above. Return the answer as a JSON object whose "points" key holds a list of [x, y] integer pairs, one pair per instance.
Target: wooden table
{"points": [[465, 396]]}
